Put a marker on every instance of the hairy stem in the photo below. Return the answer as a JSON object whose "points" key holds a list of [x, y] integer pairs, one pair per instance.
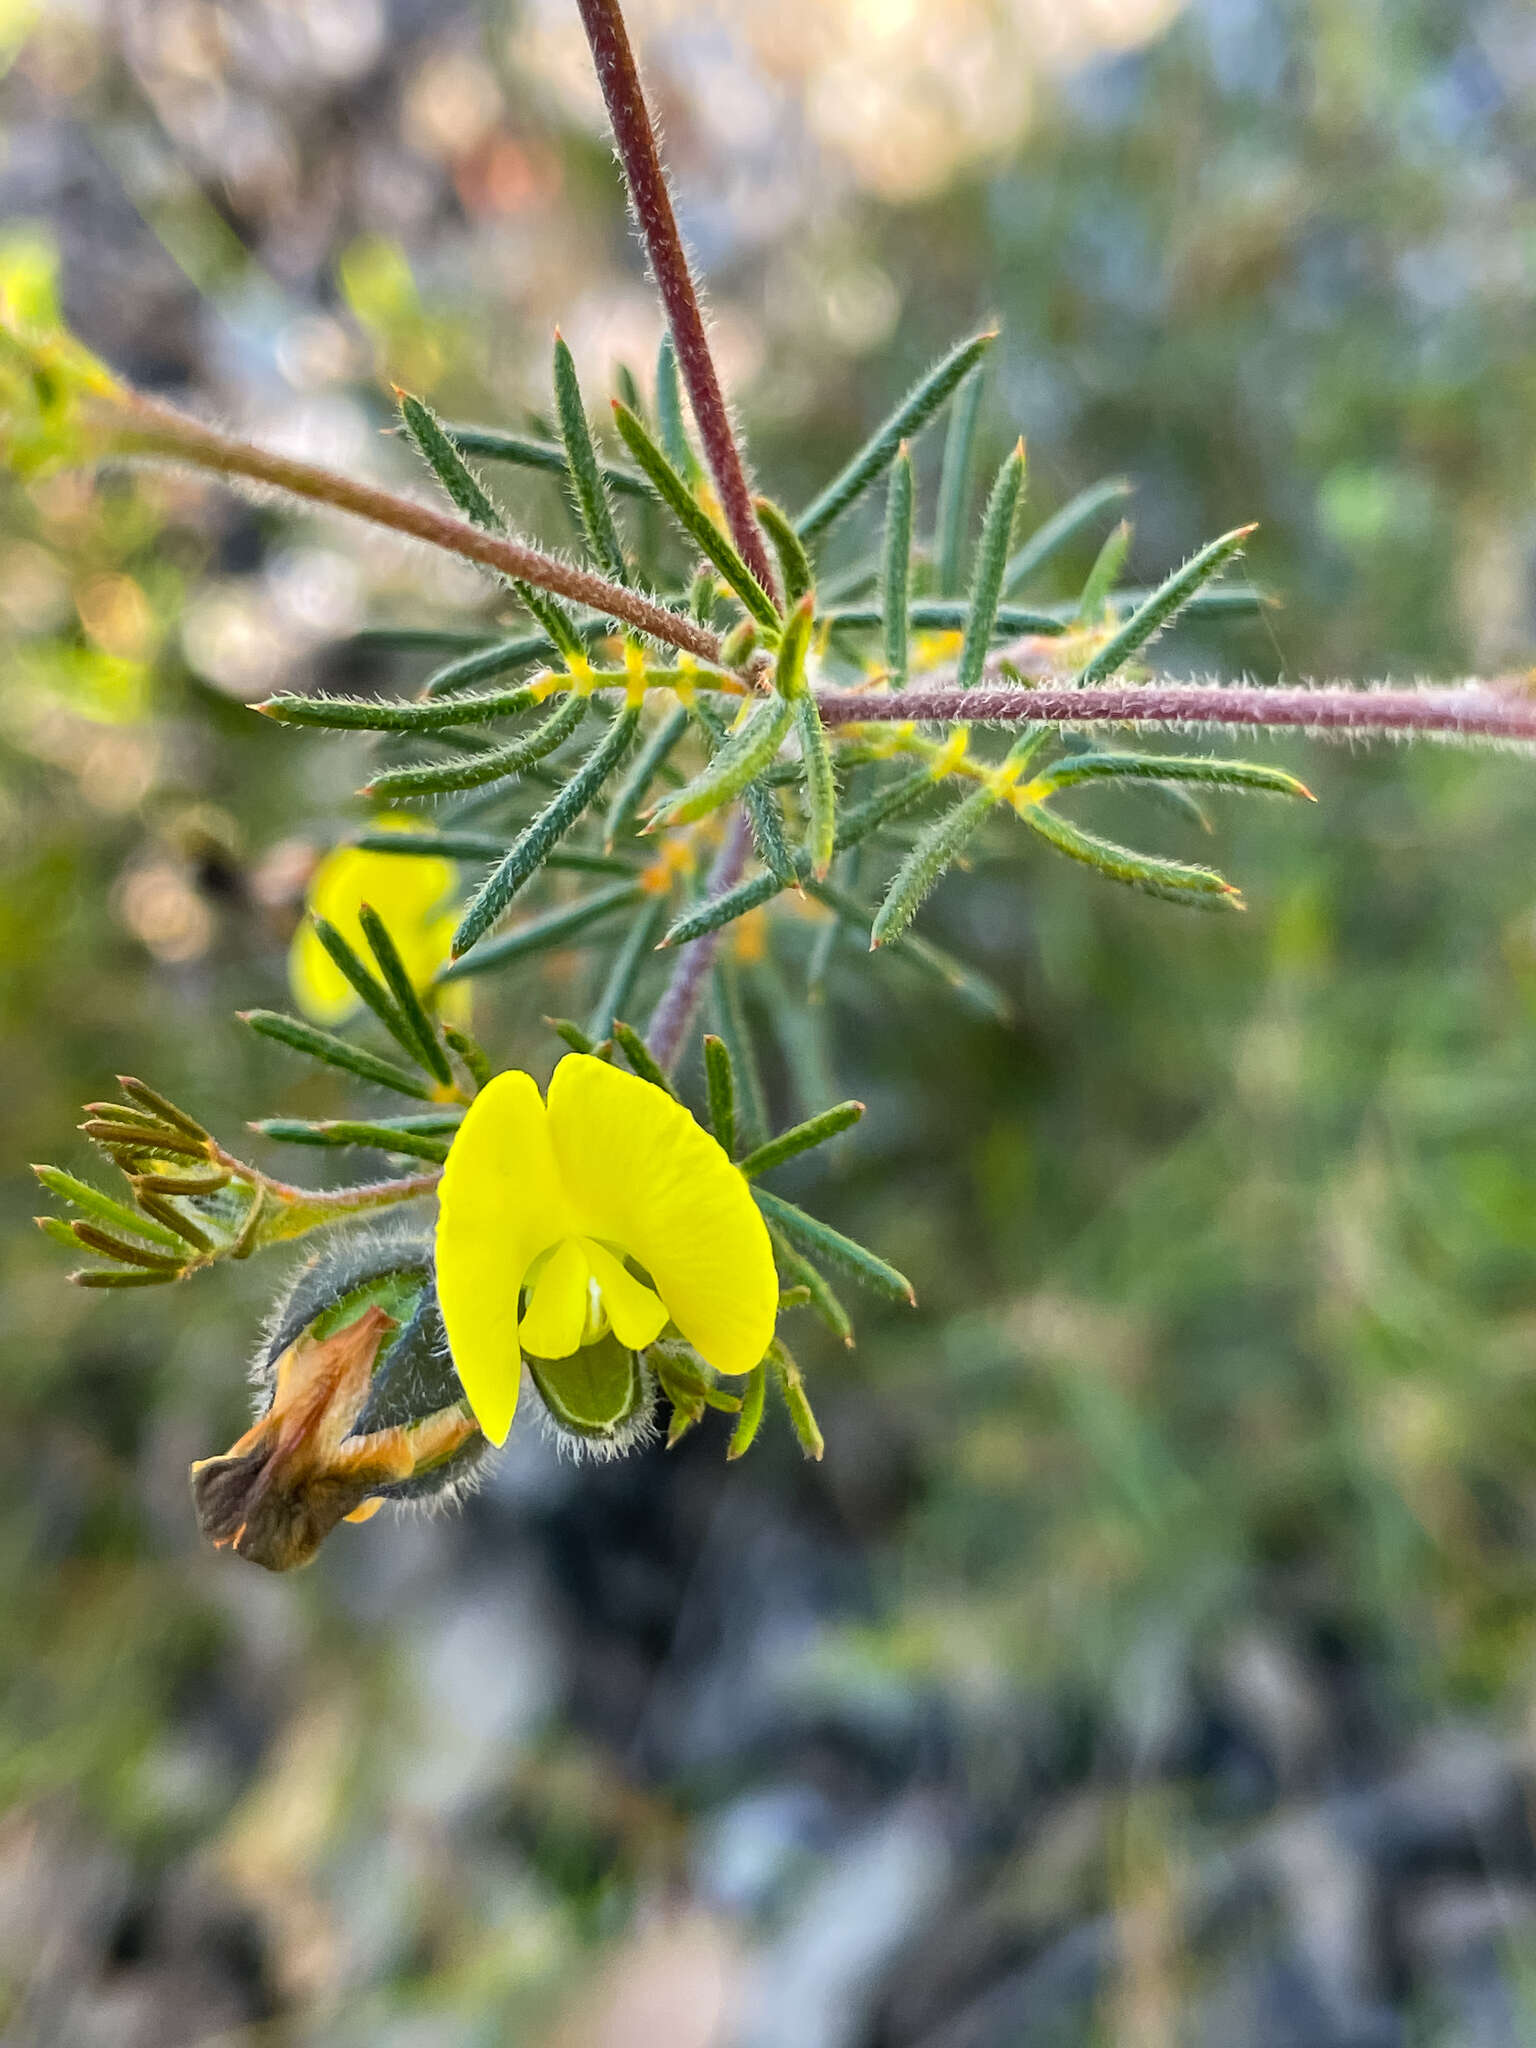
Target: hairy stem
{"points": [[1472, 711], [142, 426], [680, 999], [635, 137]]}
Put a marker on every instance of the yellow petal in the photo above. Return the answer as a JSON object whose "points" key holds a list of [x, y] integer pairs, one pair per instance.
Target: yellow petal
{"points": [[556, 1318], [500, 1204], [406, 893], [634, 1312], [642, 1175]]}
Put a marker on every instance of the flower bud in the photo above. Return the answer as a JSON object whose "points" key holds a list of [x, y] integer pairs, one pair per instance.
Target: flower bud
{"points": [[357, 1403], [600, 1400]]}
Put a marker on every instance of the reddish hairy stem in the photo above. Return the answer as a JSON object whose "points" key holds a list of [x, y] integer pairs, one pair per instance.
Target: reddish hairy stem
{"points": [[1472, 711], [159, 430], [680, 998], [630, 119]]}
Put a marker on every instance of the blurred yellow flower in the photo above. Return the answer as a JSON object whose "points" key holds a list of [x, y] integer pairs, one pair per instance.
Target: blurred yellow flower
{"points": [[556, 1198], [411, 896]]}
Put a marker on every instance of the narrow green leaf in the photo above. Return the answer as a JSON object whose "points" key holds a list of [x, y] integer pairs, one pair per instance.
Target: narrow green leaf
{"points": [[743, 757], [721, 1085], [877, 453], [792, 1392], [433, 845], [588, 493], [794, 562], [991, 560], [795, 645], [629, 388], [149, 1141], [1214, 774], [165, 1211], [670, 425], [951, 615], [820, 786], [819, 1240], [800, 1138], [397, 978], [896, 566], [937, 847], [116, 1276], [100, 1207], [125, 1252], [464, 675], [955, 486], [694, 520], [763, 814], [1173, 881], [494, 444], [380, 1137], [632, 791], [857, 823], [732, 1028], [497, 764], [824, 1302], [572, 1033], [155, 1104], [638, 1054], [408, 639], [1062, 528], [534, 844], [1163, 606], [638, 945], [335, 1052], [365, 985], [750, 1420], [539, 934], [471, 1055], [1104, 574], [390, 714]]}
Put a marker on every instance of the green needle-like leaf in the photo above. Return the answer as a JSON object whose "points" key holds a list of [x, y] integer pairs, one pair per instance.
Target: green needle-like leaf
{"points": [[100, 1208], [952, 615], [367, 986], [1104, 574], [381, 1137], [794, 562], [633, 790], [789, 672], [533, 846], [991, 560], [638, 945], [790, 1144], [750, 1420], [896, 566], [720, 1083], [819, 1240], [955, 486], [1173, 881], [540, 934], [670, 424], [694, 520], [428, 1045], [878, 452], [1062, 528], [389, 714], [464, 675], [792, 1392], [588, 493], [1163, 606], [761, 805], [129, 1254], [740, 760], [470, 1054], [336, 1052], [937, 847], [824, 1302], [432, 778], [820, 786], [1213, 774], [494, 444], [638, 1054], [731, 1025]]}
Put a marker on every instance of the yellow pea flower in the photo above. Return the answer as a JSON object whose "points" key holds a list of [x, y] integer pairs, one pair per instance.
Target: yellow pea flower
{"points": [[555, 1197], [412, 897]]}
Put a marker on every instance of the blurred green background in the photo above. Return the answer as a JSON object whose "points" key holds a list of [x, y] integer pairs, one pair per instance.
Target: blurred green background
{"points": [[1152, 1659]]}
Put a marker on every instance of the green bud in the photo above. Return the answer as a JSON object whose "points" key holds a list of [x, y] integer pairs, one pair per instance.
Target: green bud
{"points": [[357, 1402], [600, 1400]]}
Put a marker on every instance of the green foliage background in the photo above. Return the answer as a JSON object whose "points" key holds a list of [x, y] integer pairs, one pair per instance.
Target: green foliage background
{"points": [[1224, 1250]]}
